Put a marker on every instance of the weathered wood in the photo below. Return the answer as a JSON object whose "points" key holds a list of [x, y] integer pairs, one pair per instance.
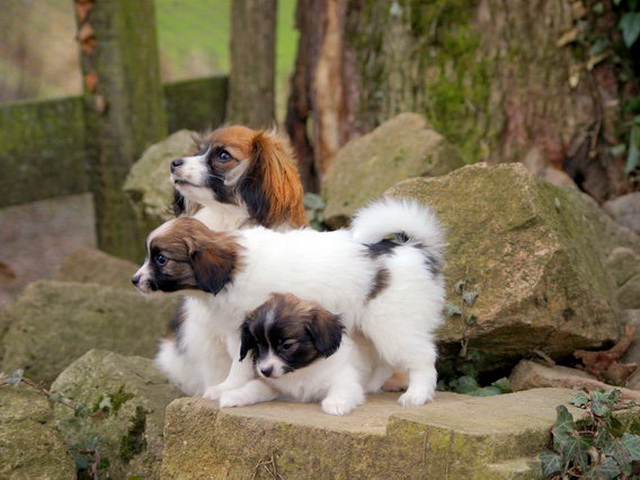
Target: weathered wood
{"points": [[43, 144], [125, 114], [252, 77], [42, 150]]}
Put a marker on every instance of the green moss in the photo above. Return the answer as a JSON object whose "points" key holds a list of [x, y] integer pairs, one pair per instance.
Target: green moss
{"points": [[111, 403], [134, 442], [457, 84]]}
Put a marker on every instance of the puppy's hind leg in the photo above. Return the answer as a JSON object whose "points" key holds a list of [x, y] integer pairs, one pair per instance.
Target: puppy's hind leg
{"points": [[423, 378]]}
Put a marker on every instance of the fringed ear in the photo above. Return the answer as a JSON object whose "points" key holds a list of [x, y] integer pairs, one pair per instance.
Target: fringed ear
{"points": [[326, 331], [213, 264], [271, 187], [247, 340]]}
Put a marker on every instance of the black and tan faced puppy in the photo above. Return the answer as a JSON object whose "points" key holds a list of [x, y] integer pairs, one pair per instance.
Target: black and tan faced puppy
{"points": [[299, 353]]}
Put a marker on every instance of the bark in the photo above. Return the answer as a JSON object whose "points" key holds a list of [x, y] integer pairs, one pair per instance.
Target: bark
{"points": [[252, 76], [125, 112], [499, 79]]}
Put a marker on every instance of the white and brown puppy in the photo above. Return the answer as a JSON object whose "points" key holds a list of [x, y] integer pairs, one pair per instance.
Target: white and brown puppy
{"points": [[237, 178], [389, 291], [299, 353]]}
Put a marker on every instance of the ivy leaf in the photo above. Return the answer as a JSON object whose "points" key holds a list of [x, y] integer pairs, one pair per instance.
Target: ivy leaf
{"points": [[503, 385], [458, 287], [451, 309], [579, 400], [486, 392], [313, 201], [632, 443], [469, 297], [465, 384], [607, 469], [618, 451], [630, 27], [566, 439], [551, 463]]}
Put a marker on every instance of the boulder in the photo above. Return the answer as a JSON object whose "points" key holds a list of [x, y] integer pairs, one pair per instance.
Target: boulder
{"points": [[524, 265], [88, 265], [125, 399], [53, 323], [30, 444], [624, 264], [625, 210], [148, 183], [405, 146]]}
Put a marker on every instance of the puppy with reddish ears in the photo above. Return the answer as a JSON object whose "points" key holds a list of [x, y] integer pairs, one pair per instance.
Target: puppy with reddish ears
{"points": [[238, 178], [299, 353], [388, 291]]}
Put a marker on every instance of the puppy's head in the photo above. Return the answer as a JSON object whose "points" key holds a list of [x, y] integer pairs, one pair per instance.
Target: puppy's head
{"points": [[286, 333], [183, 254], [240, 166]]}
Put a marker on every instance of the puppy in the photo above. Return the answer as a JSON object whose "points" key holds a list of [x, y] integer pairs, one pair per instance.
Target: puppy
{"points": [[238, 178], [389, 291], [299, 353]]}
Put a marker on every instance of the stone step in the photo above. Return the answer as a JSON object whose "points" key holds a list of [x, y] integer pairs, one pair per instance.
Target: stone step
{"points": [[456, 436]]}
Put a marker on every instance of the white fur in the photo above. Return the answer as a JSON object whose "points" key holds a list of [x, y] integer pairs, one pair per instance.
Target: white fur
{"points": [[336, 271], [336, 381]]}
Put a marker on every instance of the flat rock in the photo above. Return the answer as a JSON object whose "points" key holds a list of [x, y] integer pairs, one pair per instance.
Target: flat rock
{"points": [[148, 183], [88, 265], [533, 255], [53, 323], [403, 147], [456, 436], [126, 397], [30, 445]]}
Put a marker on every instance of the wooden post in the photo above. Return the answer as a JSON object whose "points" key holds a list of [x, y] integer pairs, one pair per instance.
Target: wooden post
{"points": [[125, 112], [251, 80]]}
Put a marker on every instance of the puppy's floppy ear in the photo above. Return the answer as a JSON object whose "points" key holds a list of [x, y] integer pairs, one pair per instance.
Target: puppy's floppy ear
{"points": [[271, 186], [247, 340], [326, 331], [213, 262]]}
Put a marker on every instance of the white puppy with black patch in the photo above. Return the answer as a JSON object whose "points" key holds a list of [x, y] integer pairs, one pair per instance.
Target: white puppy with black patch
{"points": [[300, 353]]}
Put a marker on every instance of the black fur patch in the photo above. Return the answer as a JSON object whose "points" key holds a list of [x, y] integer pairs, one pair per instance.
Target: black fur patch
{"points": [[380, 282]]}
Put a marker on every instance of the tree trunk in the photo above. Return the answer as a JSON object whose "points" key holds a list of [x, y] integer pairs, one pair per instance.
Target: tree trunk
{"points": [[501, 80], [252, 76], [125, 112]]}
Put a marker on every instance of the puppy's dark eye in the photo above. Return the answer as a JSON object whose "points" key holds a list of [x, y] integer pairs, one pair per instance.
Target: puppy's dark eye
{"points": [[288, 345], [223, 156], [161, 260]]}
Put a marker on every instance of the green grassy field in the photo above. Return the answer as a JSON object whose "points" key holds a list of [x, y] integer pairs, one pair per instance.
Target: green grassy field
{"points": [[193, 38]]}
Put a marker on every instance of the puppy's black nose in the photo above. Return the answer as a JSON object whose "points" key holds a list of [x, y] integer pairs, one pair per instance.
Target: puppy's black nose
{"points": [[135, 279], [266, 371], [176, 163]]}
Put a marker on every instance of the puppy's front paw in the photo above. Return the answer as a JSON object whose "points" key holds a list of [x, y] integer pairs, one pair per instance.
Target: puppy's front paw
{"points": [[234, 398], [415, 398], [337, 406], [213, 393]]}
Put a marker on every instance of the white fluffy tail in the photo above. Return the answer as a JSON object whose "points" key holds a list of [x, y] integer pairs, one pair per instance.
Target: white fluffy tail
{"points": [[390, 216]]}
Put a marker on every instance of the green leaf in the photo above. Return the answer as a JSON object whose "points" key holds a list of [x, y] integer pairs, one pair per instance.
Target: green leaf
{"points": [[486, 392], [469, 297], [313, 201], [632, 443], [458, 287], [451, 309], [551, 463], [503, 385], [579, 400], [465, 384], [607, 469], [618, 451], [630, 27]]}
